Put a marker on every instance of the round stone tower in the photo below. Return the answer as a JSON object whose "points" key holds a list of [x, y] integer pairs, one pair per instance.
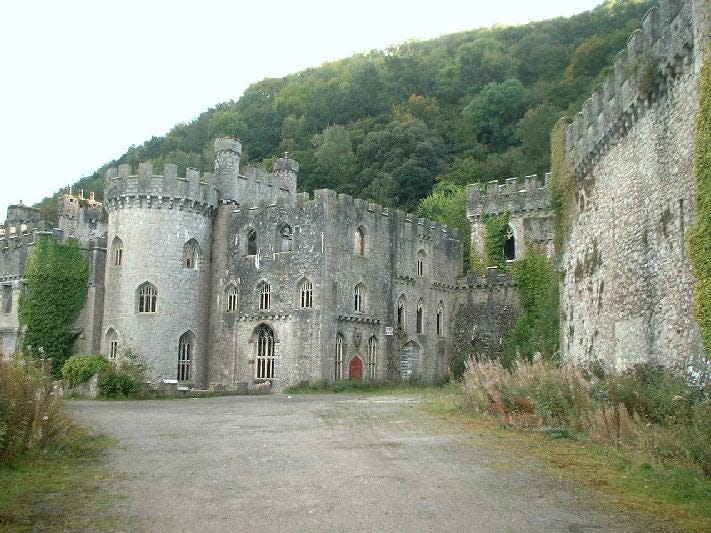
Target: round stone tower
{"points": [[157, 269]]}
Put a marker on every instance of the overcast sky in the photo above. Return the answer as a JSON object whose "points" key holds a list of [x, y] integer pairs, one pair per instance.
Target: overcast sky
{"points": [[81, 81]]}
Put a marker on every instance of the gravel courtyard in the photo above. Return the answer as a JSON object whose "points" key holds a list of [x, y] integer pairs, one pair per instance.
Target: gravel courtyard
{"points": [[324, 463]]}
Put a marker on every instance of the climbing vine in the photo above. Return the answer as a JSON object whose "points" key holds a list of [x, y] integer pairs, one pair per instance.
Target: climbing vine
{"points": [[700, 235], [537, 327], [495, 226], [57, 276], [562, 185]]}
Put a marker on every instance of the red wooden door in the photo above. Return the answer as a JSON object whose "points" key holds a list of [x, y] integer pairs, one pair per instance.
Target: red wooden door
{"points": [[355, 369]]}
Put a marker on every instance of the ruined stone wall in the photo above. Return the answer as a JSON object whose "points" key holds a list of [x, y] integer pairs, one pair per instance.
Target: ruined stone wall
{"points": [[527, 202], [627, 294]]}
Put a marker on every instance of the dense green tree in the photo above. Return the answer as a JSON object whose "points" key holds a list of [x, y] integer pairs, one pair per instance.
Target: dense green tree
{"points": [[335, 159], [494, 112]]}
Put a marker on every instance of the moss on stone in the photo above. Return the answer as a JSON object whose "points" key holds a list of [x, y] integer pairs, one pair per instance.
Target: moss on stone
{"points": [[562, 185]]}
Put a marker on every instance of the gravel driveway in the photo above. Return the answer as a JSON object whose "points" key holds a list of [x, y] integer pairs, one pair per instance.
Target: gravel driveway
{"points": [[324, 463]]}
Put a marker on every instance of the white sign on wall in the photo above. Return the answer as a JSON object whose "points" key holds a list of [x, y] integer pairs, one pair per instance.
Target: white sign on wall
{"points": [[389, 331]]}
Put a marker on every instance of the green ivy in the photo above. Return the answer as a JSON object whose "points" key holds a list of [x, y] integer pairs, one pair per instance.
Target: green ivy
{"points": [[562, 185], [700, 234], [495, 228], [537, 327], [80, 368], [57, 276]]}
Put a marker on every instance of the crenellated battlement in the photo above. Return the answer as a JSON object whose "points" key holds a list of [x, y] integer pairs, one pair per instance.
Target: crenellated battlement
{"points": [[512, 196], [123, 188], [663, 49], [335, 201]]}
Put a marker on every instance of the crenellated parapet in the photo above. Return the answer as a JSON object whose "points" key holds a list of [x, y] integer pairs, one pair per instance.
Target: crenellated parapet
{"points": [[514, 196], [667, 46], [195, 191]]}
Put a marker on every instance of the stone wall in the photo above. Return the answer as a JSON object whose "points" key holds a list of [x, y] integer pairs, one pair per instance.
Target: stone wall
{"points": [[627, 294]]}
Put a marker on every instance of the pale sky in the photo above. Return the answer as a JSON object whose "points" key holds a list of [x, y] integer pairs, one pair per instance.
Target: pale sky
{"points": [[81, 81]]}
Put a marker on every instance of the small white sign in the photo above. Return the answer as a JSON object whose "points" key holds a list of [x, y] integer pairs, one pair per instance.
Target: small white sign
{"points": [[389, 331]]}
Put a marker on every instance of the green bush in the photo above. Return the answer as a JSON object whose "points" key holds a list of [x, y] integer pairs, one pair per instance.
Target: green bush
{"points": [[80, 368], [114, 383]]}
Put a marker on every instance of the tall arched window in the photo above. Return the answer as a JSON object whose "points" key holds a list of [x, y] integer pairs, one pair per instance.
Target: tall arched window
{"points": [[265, 296], [372, 357], [440, 319], [232, 298], [509, 244], [420, 316], [186, 346], [359, 298], [401, 313], [338, 361], [112, 343], [252, 242], [359, 241], [191, 251], [147, 298], [117, 251], [265, 352], [284, 241], [421, 256], [306, 294]]}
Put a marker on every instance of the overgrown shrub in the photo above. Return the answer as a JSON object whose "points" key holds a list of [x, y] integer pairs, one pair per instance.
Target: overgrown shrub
{"points": [[647, 406], [30, 417], [125, 376], [80, 368]]}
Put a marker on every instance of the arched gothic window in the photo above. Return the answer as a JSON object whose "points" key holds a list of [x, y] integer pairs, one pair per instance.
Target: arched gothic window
{"points": [[147, 298], [265, 352], [359, 298], [117, 251], [112, 343], [440, 319], [306, 294], [265, 296], [420, 316], [421, 256], [338, 361], [401, 313], [509, 244], [285, 238], [372, 357], [191, 251], [186, 346], [252, 242], [359, 241], [232, 298]]}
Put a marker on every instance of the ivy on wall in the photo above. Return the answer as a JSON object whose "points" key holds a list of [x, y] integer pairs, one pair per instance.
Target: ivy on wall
{"points": [[537, 327], [495, 232], [700, 234], [562, 185], [57, 276]]}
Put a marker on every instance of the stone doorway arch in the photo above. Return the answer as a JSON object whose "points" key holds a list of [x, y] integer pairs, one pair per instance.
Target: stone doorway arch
{"points": [[355, 368]]}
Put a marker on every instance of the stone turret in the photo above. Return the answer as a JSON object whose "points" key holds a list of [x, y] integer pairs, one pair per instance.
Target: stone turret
{"points": [[227, 155]]}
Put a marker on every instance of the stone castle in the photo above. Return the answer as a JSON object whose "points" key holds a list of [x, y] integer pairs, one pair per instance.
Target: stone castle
{"points": [[233, 279]]}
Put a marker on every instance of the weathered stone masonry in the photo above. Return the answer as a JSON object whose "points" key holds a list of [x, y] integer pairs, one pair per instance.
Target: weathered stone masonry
{"points": [[627, 294]]}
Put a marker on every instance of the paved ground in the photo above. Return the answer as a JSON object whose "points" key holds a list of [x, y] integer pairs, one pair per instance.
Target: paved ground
{"points": [[324, 463]]}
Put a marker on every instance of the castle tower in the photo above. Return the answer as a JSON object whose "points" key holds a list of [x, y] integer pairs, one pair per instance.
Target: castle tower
{"points": [[157, 270], [227, 155]]}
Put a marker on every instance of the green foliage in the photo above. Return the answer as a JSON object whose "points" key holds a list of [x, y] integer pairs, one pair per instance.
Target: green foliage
{"points": [[499, 73], [700, 234], [125, 376], [649, 408], [494, 112], [495, 231], [30, 417], [80, 368], [447, 205], [537, 327], [57, 276], [562, 186]]}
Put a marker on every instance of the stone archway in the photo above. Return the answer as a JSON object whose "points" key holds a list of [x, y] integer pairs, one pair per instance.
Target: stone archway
{"points": [[409, 360], [355, 368]]}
